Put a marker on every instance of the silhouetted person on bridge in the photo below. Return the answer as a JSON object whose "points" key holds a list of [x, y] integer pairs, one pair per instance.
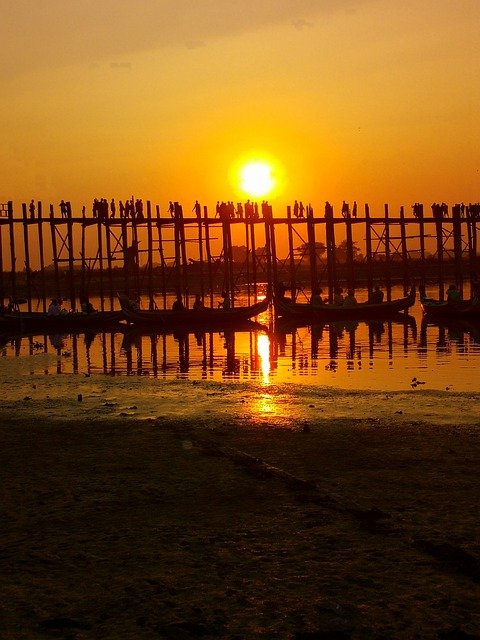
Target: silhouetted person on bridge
{"points": [[139, 210], [418, 210], [178, 210], [197, 209]]}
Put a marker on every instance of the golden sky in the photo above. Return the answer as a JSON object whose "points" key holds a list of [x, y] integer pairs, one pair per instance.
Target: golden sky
{"points": [[368, 100]]}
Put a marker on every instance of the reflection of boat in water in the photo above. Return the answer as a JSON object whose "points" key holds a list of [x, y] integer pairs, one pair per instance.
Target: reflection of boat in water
{"points": [[455, 328], [205, 319], [332, 333], [287, 325], [13, 332], [330, 312], [28, 321]]}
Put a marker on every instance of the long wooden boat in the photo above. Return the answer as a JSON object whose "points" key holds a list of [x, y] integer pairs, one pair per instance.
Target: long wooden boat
{"points": [[204, 319], [463, 309], [332, 312], [38, 320]]}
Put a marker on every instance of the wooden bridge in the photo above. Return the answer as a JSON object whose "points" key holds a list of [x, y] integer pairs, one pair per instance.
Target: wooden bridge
{"points": [[46, 254]]}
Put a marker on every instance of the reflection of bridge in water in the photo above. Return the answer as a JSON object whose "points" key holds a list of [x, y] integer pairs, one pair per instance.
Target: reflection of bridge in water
{"points": [[230, 354], [443, 333], [254, 353], [132, 351], [331, 336]]}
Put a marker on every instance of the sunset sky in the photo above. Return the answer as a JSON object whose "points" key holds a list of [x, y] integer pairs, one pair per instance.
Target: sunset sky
{"points": [[365, 100]]}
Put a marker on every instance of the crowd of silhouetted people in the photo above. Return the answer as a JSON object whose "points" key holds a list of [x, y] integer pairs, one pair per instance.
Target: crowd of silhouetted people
{"points": [[133, 209], [469, 211], [346, 212], [247, 211], [130, 208]]}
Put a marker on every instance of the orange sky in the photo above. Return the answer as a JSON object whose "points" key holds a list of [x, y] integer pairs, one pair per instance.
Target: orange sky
{"points": [[360, 100]]}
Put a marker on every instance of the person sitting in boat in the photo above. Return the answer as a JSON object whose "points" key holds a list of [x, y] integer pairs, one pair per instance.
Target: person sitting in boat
{"points": [[453, 294], [316, 300], [55, 308], [87, 306], [7, 308], [423, 294], [280, 291], [338, 297], [376, 296], [350, 300], [178, 304], [225, 304], [127, 303], [198, 304], [475, 288]]}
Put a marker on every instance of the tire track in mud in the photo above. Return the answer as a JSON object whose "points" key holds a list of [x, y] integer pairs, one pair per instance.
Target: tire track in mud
{"points": [[446, 556]]}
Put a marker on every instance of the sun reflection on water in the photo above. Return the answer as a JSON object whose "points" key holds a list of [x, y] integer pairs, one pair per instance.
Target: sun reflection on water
{"points": [[263, 346], [265, 404]]}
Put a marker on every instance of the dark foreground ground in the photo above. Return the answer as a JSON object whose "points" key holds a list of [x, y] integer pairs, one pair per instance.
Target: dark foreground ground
{"points": [[146, 530]]}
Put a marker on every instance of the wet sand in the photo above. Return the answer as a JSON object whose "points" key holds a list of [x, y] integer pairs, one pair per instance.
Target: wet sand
{"points": [[157, 529]]}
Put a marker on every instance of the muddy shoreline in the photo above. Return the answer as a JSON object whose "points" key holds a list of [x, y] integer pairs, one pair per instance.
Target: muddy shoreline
{"points": [[163, 529]]}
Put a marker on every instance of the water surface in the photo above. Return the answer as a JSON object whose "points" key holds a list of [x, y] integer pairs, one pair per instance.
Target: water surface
{"points": [[402, 369]]}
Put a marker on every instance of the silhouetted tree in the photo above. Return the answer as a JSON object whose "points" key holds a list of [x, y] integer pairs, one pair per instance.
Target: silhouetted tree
{"points": [[304, 249], [341, 251], [239, 253]]}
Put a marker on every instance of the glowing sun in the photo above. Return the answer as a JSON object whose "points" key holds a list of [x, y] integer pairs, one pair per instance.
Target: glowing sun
{"points": [[257, 174], [256, 179]]}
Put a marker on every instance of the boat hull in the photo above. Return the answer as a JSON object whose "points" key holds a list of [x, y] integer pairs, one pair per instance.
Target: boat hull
{"points": [[330, 313], [434, 309], [190, 319]]}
